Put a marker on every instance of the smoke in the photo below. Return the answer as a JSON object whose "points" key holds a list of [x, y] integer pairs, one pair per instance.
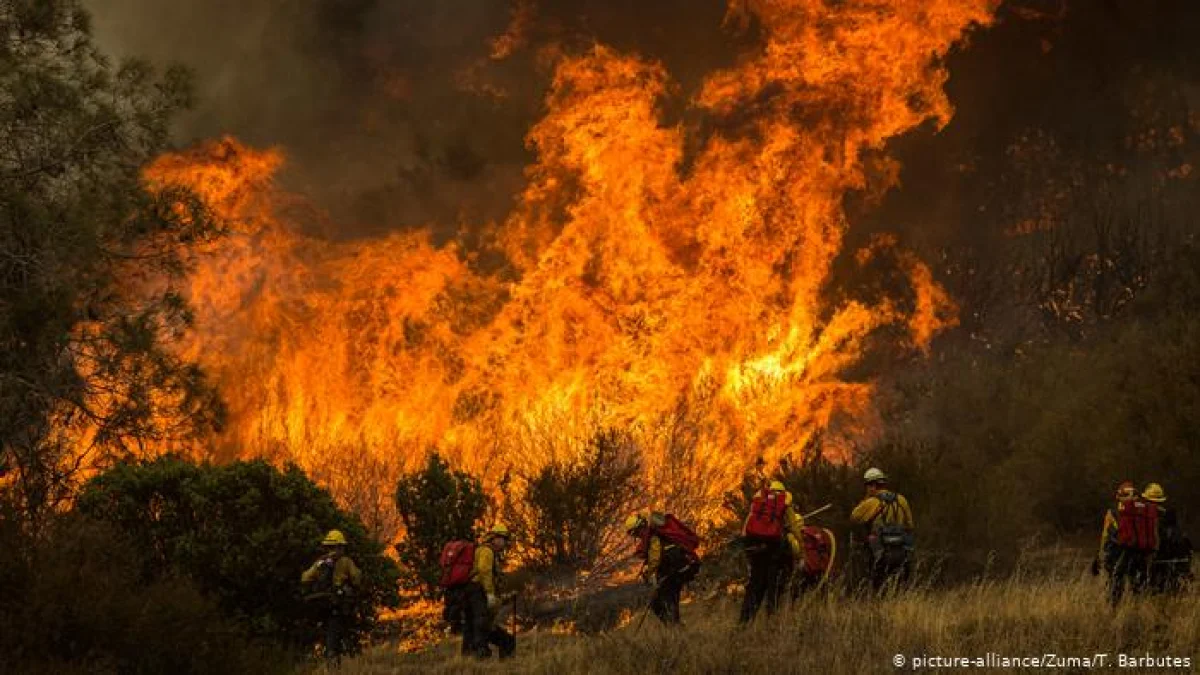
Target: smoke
{"points": [[1055, 91], [395, 114], [363, 96]]}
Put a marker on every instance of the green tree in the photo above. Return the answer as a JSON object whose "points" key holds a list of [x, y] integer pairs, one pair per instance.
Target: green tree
{"points": [[436, 505], [86, 320], [242, 533]]}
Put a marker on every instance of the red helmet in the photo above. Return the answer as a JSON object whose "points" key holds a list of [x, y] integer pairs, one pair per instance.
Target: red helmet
{"points": [[1126, 490]]}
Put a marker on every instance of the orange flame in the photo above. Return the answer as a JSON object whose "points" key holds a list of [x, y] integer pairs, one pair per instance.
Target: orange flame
{"points": [[645, 276]]}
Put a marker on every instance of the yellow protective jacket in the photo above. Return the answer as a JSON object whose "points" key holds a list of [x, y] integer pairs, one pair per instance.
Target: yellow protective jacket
{"points": [[793, 523], [653, 556], [1108, 532], [344, 572], [871, 514], [486, 572]]}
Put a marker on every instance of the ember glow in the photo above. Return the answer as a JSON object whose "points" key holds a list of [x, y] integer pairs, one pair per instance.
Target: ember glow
{"points": [[663, 279]]}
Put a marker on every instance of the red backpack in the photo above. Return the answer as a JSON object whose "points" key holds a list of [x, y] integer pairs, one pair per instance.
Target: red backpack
{"points": [[457, 562], [766, 521], [1137, 525], [819, 551], [677, 532]]}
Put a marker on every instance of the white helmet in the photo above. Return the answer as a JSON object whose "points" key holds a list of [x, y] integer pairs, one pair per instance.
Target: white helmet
{"points": [[874, 475]]}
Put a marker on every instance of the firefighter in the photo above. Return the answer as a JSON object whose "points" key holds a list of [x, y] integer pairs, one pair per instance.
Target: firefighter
{"points": [[1107, 557], [480, 600], [885, 521], [1172, 563], [667, 549], [331, 583], [1128, 542], [772, 536]]}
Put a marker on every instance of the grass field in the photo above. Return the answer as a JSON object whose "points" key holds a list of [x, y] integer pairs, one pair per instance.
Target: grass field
{"points": [[1022, 616]]}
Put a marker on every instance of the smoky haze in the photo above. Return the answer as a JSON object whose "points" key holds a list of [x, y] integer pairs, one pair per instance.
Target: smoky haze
{"points": [[391, 113], [361, 95]]}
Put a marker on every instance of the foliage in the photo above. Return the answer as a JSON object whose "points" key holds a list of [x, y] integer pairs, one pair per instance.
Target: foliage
{"points": [[436, 505], [85, 368], [75, 600], [568, 513], [995, 449], [242, 533]]}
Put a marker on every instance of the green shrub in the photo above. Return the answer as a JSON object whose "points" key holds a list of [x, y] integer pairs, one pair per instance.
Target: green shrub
{"points": [[241, 533], [436, 505]]}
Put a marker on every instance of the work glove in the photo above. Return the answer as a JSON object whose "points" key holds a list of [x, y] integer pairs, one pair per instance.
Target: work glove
{"points": [[493, 601], [1095, 567]]}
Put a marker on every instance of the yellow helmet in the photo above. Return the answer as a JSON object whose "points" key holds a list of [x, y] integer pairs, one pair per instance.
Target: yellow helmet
{"points": [[1154, 492], [334, 538], [500, 530], [632, 523], [777, 486], [874, 475]]}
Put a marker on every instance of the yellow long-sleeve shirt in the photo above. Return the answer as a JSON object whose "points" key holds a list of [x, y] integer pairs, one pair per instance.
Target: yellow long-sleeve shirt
{"points": [[871, 512], [1108, 531], [344, 571], [653, 556], [485, 573]]}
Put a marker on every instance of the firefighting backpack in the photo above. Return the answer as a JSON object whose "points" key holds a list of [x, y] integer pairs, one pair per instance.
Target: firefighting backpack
{"points": [[766, 521], [890, 541], [1137, 525], [457, 562], [675, 531]]}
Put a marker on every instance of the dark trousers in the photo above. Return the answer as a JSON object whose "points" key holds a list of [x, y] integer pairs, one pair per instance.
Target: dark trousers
{"points": [[1171, 569], [769, 568], [889, 566], [1130, 567], [479, 627], [1170, 575], [674, 571], [335, 636]]}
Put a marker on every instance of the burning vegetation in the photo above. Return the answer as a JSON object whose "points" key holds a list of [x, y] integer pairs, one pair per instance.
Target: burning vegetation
{"points": [[606, 258], [654, 275]]}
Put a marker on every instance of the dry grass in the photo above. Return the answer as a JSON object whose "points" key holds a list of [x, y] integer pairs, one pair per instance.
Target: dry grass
{"points": [[830, 634]]}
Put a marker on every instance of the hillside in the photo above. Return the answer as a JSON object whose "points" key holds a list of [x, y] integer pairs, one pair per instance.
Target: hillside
{"points": [[1057, 618]]}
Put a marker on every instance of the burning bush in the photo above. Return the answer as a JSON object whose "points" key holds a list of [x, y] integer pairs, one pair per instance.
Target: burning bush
{"points": [[567, 513]]}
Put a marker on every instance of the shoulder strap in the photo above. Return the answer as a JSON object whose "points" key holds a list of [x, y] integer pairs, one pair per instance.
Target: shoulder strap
{"points": [[886, 505]]}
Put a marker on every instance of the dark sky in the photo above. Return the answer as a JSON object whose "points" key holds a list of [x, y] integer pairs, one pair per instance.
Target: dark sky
{"points": [[1079, 77]]}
